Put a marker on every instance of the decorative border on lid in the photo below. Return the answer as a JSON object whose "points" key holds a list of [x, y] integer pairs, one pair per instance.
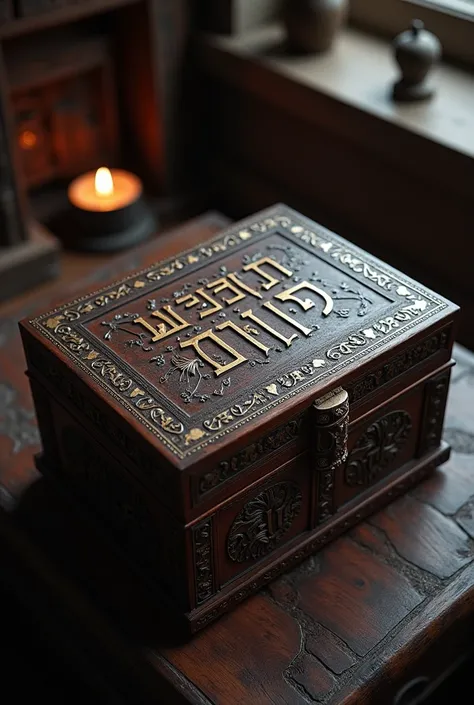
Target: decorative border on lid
{"points": [[416, 305]]}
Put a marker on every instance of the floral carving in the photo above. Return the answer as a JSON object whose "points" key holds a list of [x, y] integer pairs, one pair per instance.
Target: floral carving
{"points": [[263, 522], [189, 371]]}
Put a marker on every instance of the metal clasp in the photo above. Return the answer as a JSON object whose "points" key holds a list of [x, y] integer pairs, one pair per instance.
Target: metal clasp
{"points": [[331, 421]]}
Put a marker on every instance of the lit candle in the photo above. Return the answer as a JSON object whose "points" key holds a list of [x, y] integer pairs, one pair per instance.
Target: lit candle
{"points": [[109, 209], [105, 190]]}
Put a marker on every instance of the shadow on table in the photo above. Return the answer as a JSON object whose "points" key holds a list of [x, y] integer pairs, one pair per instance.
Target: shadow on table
{"points": [[77, 552]]}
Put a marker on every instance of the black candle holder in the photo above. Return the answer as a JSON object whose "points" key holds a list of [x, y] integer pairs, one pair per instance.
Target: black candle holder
{"points": [[108, 231]]}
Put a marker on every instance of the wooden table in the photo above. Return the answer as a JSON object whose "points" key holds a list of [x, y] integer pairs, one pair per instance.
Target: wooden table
{"points": [[376, 617]]}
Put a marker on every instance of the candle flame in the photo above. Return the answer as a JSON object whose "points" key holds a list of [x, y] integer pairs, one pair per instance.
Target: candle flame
{"points": [[104, 183]]}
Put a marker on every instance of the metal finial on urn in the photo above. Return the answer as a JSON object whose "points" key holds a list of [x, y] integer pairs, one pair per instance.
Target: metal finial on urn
{"points": [[416, 51], [311, 25]]}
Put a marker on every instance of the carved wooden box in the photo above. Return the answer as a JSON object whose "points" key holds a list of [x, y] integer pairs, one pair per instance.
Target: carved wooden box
{"points": [[226, 412]]}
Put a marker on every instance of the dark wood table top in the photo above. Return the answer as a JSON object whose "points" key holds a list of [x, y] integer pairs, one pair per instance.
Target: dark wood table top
{"points": [[389, 605]]}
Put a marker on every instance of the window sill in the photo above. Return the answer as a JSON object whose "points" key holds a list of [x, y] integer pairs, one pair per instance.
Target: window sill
{"points": [[357, 74], [360, 71]]}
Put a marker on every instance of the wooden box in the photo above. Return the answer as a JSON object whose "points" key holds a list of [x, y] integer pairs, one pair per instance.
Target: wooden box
{"points": [[227, 412]]}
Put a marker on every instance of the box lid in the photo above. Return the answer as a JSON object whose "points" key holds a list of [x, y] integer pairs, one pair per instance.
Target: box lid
{"points": [[231, 337]]}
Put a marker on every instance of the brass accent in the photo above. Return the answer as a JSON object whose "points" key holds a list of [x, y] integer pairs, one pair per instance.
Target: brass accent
{"points": [[384, 327], [139, 284], [188, 370], [218, 367], [194, 434], [398, 365], [256, 267], [54, 322], [306, 304], [92, 355], [136, 392]]}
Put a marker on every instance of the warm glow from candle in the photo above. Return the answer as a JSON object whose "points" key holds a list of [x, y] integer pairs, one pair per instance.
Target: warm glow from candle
{"points": [[105, 190], [27, 139], [103, 182]]}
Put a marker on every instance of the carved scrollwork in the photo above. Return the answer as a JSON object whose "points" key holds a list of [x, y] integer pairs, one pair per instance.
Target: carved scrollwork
{"points": [[377, 448], [398, 365], [249, 455], [204, 580], [263, 521]]}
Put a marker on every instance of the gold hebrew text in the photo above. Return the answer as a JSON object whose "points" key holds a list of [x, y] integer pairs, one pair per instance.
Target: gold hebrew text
{"points": [[250, 314], [220, 284], [160, 332], [219, 368], [272, 281], [233, 326], [306, 331], [230, 289], [234, 278], [192, 300], [306, 304]]}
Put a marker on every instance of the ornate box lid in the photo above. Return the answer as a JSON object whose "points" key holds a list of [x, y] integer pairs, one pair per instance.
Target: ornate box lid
{"points": [[230, 338]]}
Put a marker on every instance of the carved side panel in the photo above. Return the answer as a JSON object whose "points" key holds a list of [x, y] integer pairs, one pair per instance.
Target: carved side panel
{"points": [[263, 522], [45, 422], [331, 420], [93, 415], [377, 448], [436, 394], [143, 532]]}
